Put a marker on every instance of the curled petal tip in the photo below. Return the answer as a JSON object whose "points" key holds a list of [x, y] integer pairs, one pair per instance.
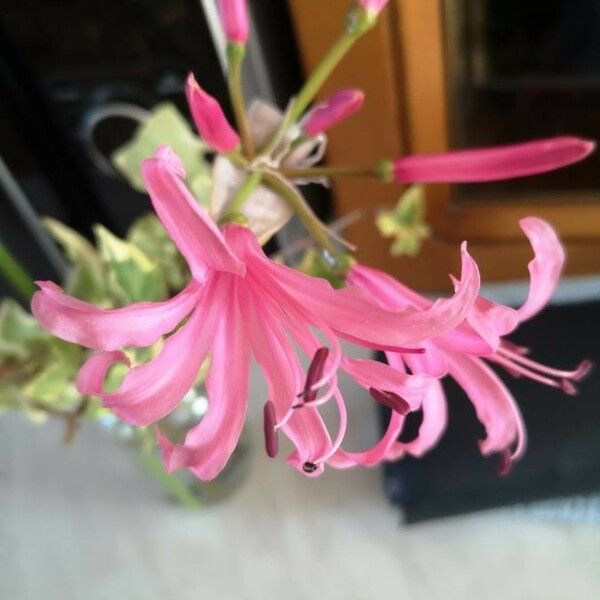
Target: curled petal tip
{"points": [[506, 464], [167, 158]]}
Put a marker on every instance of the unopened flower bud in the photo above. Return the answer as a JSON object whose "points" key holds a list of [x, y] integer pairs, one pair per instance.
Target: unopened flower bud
{"points": [[338, 107], [234, 17], [209, 118]]}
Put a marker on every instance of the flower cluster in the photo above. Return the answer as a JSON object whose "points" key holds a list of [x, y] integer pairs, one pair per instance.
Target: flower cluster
{"points": [[239, 305]]}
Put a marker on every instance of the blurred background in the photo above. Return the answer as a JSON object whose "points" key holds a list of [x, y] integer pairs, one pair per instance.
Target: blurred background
{"points": [[86, 522]]}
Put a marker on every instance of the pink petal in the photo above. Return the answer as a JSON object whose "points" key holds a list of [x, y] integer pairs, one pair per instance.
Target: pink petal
{"points": [[285, 379], [374, 6], [546, 266], [352, 313], [434, 407], [135, 325], [494, 163], [209, 445], [494, 405], [151, 391], [187, 223], [373, 374], [210, 119], [90, 379]]}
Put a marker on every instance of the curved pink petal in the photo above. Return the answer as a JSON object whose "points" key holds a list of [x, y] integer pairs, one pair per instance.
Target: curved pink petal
{"points": [[546, 266], [495, 163], [285, 379], [151, 391], [341, 105], [187, 223], [91, 376], [373, 374], [209, 445], [136, 325], [494, 405]]}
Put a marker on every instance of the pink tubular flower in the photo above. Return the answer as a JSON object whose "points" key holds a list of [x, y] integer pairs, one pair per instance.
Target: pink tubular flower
{"points": [[240, 303], [373, 6], [234, 17], [210, 121], [338, 107], [460, 353], [492, 164]]}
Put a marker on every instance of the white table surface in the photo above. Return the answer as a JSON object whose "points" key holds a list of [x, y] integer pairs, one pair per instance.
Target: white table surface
{"points": [[87, 523]]}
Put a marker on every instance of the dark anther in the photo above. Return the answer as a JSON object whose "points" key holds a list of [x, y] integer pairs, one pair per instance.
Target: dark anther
{"points": [[271, 439], [391, 400], [314, 373], [309, 467]]}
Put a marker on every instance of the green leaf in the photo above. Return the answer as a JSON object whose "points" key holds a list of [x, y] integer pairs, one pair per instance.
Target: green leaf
{"points": [[54, 384], [166, 126], [148, 234], [20, 333], [313, 263], [134, 277], [86, 280], [406, 223]]}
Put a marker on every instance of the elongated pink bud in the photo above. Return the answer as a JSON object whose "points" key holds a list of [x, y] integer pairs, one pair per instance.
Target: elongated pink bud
{"points": [[209, 118], [492, 164], [373, 6], [338, 107], [234, 17], [271, 439]]}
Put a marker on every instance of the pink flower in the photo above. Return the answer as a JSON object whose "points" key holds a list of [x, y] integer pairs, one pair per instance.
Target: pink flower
{"points": [[463, 353], [240, 303], [338, 107], [234, 17], [210, 121], [491, 164], [373, 6]]}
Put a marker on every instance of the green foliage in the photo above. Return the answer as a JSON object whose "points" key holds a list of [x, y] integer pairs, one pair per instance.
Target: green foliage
{"points": [[314, 263], [132, 276], [166, 127], [406, 223], [19, 332]]}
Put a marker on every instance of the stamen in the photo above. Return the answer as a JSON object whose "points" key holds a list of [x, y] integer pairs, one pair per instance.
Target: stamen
{"points": [[517, 370], [313, 374], [271, 438], [515, 348], [567, 387], [506, 463], [309, 467], [391, 400]]}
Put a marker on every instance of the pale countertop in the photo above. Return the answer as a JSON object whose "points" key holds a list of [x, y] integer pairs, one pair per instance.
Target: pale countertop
{"points": [[87, 524]]}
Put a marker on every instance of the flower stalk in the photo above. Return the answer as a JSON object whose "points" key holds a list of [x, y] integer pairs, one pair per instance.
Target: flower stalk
{"points": [[235, 59], [15, 274]]}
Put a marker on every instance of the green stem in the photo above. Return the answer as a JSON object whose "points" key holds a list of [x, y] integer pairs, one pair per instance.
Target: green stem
{"points": [[237, 202], [330, 172], [312, 223], [15, 274], [173, 486], [321, 73], [235, 57]]}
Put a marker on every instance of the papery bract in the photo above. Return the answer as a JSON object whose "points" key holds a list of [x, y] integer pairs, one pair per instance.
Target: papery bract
{"points": [[209, 118], [234, 17], [492, 164], [338, 107], [240, 303], [463, 353]]}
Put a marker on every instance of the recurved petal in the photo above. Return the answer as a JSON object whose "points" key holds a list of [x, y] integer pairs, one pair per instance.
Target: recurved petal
{"points": [[187, 223], [152, 390], [209, 445], [495, 406], [546, 266], [354, 314], [135, 325]]}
